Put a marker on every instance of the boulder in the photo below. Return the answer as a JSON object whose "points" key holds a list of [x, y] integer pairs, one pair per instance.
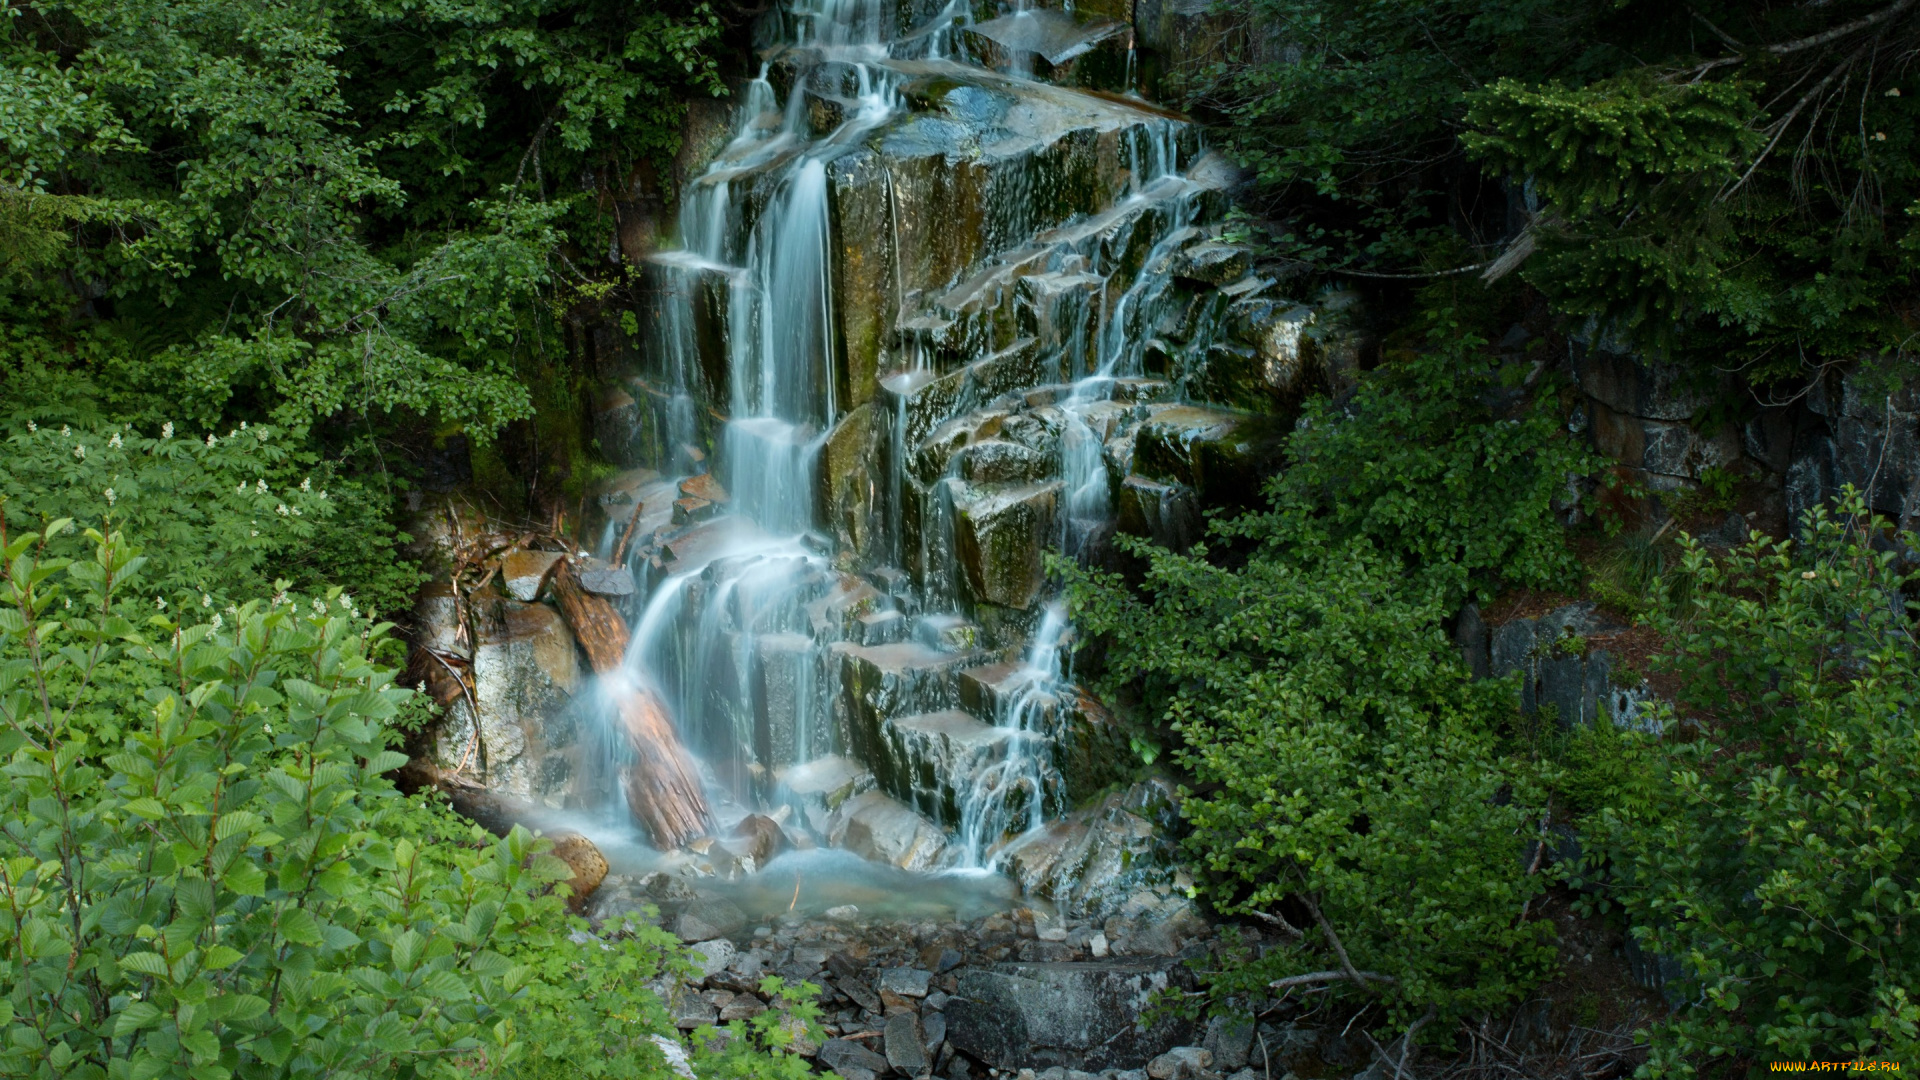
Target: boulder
{"points": [[522, 572], [906, 982], [524, 674], [1083, 1015], [584, 859], [711, 957], [760, 838], [707, 918], [876, 827], [1230, 1040], [1093, 860]]}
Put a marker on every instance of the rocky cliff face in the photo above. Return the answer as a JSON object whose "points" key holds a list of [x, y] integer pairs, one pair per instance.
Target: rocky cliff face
{"points": [[943, 296]]}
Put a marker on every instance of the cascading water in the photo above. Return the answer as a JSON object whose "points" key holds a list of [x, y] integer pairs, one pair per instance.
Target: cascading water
{"points": [[904, 305]]}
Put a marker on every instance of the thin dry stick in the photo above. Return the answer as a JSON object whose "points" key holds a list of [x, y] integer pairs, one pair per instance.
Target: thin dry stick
{"points": [[626, 537], [1346, 963], [472, 707]]}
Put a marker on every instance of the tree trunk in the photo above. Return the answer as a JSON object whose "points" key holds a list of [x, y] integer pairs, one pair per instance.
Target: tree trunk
{"points": [[664, 792]]}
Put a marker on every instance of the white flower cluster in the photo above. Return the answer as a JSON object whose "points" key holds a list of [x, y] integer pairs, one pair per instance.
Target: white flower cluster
{"points": [[110, 496], [166, 430]]}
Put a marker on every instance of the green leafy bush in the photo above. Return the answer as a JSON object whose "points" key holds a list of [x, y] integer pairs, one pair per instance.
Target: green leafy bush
{"points": [[221, 882], [223, 517], [1436, 463], [1350, 782], [1777, 853]]}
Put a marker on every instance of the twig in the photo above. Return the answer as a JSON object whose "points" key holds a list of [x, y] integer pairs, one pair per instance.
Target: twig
{"points": [[1838, 32], [1406, 1041], [1279, 921], [626, 537], [472, 707], [1359, 977], [1311, 978]]}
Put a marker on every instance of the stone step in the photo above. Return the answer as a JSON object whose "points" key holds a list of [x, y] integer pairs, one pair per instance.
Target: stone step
{"points": [[932, 759]]}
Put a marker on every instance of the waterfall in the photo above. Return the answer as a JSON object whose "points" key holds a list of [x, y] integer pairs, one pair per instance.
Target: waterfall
{"points": [[884, 371]]}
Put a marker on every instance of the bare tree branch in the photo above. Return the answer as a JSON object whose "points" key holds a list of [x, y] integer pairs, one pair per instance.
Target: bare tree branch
{"points": [[1891, 11]]}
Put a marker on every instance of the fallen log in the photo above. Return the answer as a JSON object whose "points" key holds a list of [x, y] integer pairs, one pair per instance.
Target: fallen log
{"points": [[664, 793], [498, 814]]}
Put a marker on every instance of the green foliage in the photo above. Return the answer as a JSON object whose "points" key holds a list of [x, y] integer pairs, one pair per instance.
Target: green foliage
{"points": [[1437, 464], [225, 516], [1777, 852], [1727, 182], [230, 890], [330, 207], [1343, 758], [1344, 761]]}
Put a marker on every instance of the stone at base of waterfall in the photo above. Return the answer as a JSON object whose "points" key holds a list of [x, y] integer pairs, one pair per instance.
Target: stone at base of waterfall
{"points": [[853, 1061], [906, 1047], [1181, 1063], [876, 827], [1083, 1015], [588, 866], [709, 917], [711, 957], [524, 674], [1092, 862], [819, 787]]}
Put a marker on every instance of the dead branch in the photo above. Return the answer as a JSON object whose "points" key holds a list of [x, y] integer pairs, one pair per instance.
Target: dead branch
{"points": [[626, 537], [1314, 978], [1827, 37], [1346, 963]]}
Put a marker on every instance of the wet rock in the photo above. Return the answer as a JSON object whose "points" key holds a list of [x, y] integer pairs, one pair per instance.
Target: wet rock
{"points": [[906, 1047], [761, 838], [707, 918], [523, 571], [1001, 534], [1180, 1063], [817, 788], [932, 759], [1213, 263], [1090, 862], [1080, 1014], [876, 827], [852, 1061]]}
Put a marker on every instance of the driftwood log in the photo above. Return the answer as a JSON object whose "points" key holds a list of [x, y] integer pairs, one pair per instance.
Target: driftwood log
{"points": [[664, 793]]}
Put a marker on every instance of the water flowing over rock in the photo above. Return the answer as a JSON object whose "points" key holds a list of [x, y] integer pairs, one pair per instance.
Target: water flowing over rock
{"points": [[944, 298]]}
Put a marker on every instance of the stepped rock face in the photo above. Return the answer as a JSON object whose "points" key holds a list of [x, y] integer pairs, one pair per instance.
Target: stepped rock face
{"points": [[944, 298]]}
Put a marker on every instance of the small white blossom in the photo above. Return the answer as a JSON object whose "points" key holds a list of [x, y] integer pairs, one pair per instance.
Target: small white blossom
{"points": [[216, 620], [279, 598], [231, 432], [306, 483], [323, 493], [241, 488], [166, 430], [260, 486], [296, 511], [281, 509], [253, 532], [110, 496], [346, 601], [68, 601], [206, 600], [210, 439], [115, 441], [32, 427], [80, 451], [1809, 575], [319, 606], [65, 431], [159, 603], [243, 425]]}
